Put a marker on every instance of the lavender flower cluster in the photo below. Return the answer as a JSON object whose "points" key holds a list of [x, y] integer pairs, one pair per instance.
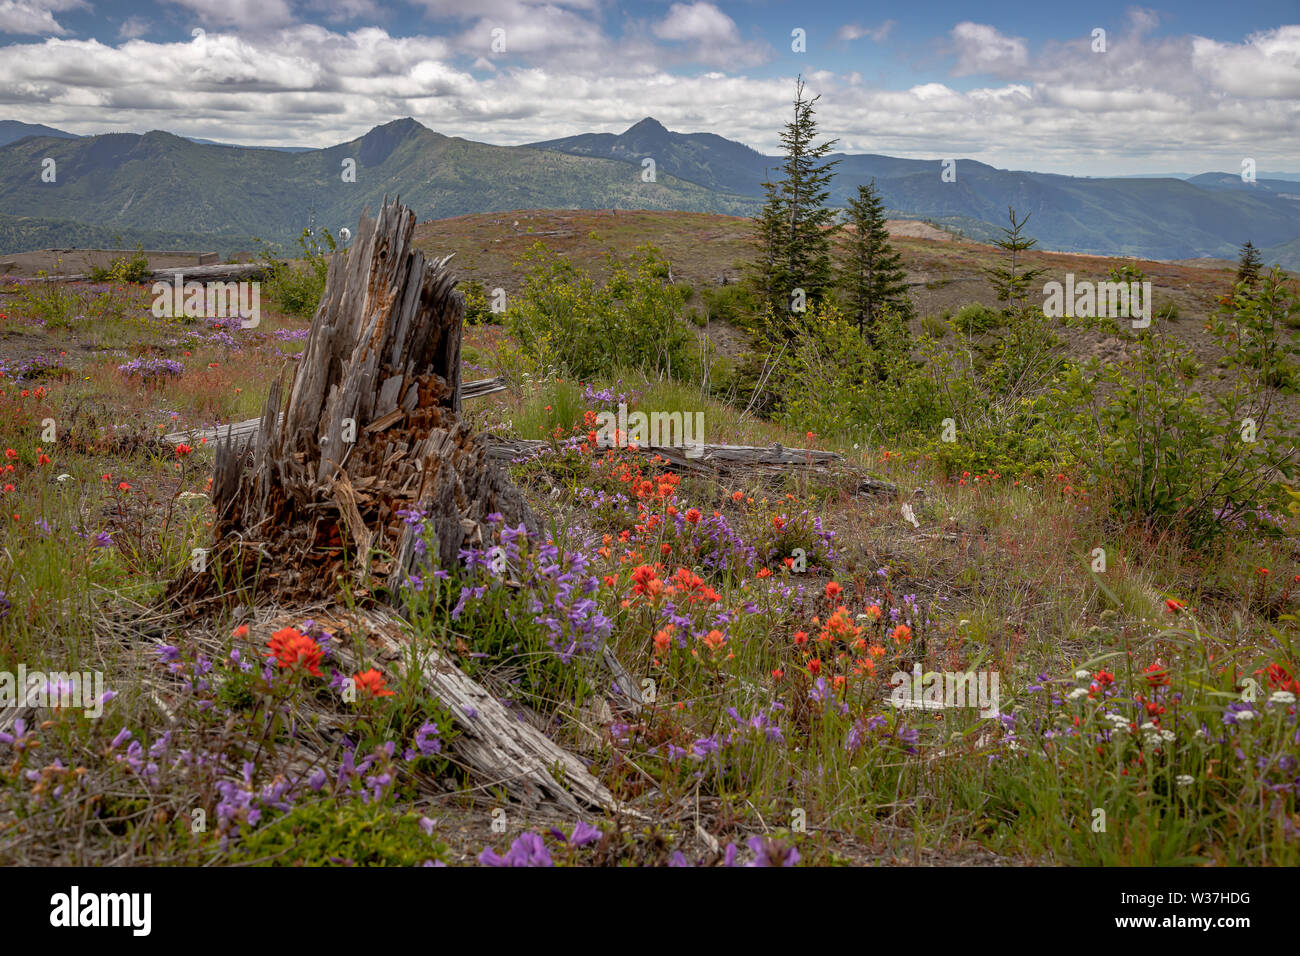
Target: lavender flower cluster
{"points": [[152, 369]]}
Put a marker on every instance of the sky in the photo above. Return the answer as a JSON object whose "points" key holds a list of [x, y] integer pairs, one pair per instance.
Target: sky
{"points": [[1191, 87]]}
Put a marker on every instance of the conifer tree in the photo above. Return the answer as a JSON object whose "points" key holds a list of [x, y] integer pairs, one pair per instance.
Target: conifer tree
{"points": [[1010, 281], [872, 276], [795, 227], [1249, 264]]}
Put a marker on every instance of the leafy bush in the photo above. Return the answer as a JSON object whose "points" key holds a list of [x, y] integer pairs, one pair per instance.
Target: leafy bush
{"points": [[934, 326], [835, 383], [1001, 395], [972, 319], [56, 304], [298, 290], [123, 269], [969, 405], [351, 833], [478, 309], [1176, 458], [729, 303], [563, 318]]}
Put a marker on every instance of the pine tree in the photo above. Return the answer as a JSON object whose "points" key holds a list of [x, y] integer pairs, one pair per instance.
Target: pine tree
{"points": [[795, 225], [1009, 282], [1249, 264], [873, 275], [768, 222]]}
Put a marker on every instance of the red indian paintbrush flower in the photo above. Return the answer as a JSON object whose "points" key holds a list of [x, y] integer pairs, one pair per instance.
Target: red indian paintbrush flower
{"points": [[1157, 675], [371, 683], [293, 649]]}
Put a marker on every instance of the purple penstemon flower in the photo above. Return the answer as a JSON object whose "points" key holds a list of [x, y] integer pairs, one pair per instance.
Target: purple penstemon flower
{"points": [[527, 850], [771, 853], [427, 741]]}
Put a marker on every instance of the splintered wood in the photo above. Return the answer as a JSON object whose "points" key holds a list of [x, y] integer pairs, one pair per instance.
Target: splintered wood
{"points": [[316, 491], [371, 428]]}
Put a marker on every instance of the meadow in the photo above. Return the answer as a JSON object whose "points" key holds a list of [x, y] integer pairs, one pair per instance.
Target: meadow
{"points": [[1145, 649]]}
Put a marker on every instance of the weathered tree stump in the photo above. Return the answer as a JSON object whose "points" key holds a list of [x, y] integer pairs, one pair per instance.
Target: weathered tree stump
{"points": [[371, 428]]}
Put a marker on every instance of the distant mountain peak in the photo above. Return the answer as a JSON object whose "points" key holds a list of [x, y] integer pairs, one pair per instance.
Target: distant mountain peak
{"points": [[403, 125], [378, 144], [648, 126]]}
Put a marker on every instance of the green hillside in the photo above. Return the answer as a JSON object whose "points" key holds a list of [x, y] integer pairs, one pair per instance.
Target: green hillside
{"points": [[162, 182], [157, 183]]}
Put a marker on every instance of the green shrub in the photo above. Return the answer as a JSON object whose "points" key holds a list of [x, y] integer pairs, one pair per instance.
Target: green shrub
{"points": [[478, 308], [562, 318], [833, 382], [973, 318], [934, 326], [971, 404], [298, 290], [732, 303], [123, 269], [351, 833], [1172, 456], [56, 304]]}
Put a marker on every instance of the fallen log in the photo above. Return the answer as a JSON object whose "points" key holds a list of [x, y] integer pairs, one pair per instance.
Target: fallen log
{"points": [[226, 272], [710, 456], [501, 748], [241, 433], [713, 458]]}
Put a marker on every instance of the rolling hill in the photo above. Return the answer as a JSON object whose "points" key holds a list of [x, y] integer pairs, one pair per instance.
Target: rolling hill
{"points": [[1156, 217], [156, 182], [11, 131]]}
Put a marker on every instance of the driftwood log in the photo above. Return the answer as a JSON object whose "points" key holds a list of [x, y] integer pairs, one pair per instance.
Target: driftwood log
{"points": [[505, 751], [226, 272], [728, 459], [241, 433]]}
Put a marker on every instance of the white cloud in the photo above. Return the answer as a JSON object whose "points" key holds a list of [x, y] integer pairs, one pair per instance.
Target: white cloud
{"points": [[709, 36], [981, 49], [701, 22], [133, 27], [853, 31], [1267, 64], [1149, 102], [251, 14], [35, 17]]}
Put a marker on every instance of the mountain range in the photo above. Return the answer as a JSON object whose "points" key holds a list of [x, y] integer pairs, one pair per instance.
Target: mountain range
{"points": [[131, 187]]}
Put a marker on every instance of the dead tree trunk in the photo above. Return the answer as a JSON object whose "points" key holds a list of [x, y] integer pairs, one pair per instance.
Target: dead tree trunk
{"points": [[371, 428]]}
